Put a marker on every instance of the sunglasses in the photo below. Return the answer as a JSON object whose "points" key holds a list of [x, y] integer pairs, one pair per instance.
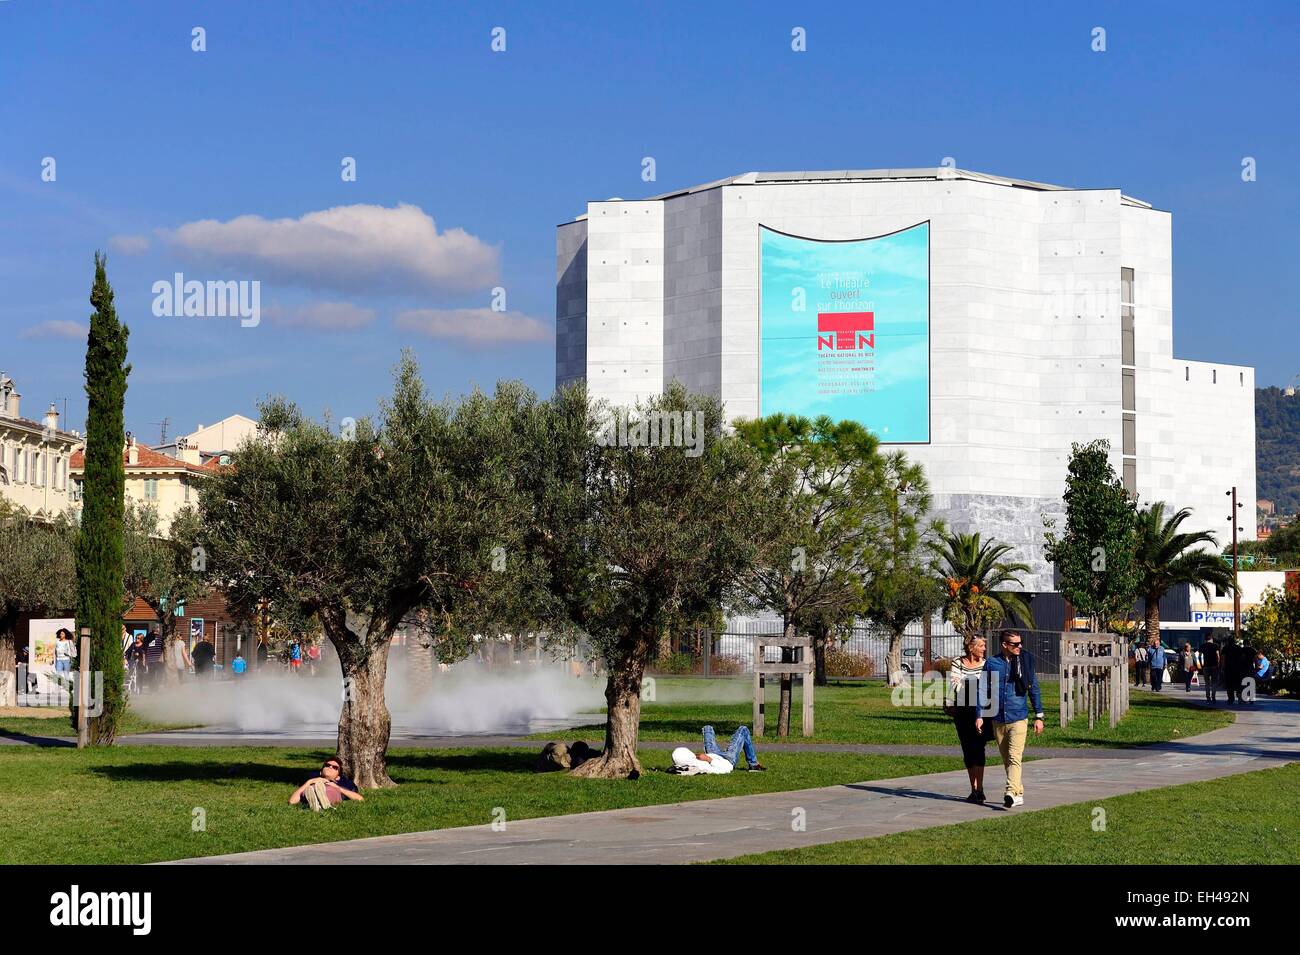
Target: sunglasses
{"points": [[333, 766], [1010, 644]]}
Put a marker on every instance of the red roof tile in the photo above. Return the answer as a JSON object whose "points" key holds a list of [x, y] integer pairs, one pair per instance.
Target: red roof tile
{"points": [[148, 460]]}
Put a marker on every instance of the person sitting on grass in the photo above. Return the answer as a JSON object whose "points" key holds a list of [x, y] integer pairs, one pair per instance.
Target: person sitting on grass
{"points": [[328, 788], [713, 759]]}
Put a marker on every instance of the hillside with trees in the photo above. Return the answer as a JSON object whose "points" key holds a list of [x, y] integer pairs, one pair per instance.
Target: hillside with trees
{"points": [[1277, 449]]}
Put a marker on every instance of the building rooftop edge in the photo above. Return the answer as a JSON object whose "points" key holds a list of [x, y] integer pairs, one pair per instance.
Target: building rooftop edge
{"points": [[865, 175]]}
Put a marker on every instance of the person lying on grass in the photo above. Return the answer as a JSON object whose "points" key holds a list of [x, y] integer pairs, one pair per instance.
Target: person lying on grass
{"points": [[328, 788], [713, 759]]}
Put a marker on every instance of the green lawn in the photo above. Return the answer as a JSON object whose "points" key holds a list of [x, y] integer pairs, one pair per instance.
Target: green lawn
{"points": [[865, 713], [1247, 819], [130, 804], [60, 726]]}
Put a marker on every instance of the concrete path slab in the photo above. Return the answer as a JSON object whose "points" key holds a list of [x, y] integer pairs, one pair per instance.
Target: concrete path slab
{"points": [[1265, 735]]}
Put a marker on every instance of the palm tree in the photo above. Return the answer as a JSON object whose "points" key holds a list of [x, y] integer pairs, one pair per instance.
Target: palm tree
{"points": [[1165, 557], [973, 572]]}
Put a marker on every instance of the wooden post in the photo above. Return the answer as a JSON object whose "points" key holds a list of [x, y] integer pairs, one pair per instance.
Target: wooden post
{"points": [[925, 645], [708, 650], [1115, 694], [83, 672], [809, 678], [1064, 688], [800, 664]]}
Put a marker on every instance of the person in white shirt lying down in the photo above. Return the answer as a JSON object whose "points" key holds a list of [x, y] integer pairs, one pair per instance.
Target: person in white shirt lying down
{"points": [[713, 759]]}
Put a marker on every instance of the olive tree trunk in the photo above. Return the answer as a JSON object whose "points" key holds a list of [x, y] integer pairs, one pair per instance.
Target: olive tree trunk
{"points": [[618, 760], [894, 659], [364, 720]]}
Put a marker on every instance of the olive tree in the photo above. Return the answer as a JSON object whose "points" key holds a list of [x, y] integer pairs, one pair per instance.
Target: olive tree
{"points": [[407, 513], [635, 535]]}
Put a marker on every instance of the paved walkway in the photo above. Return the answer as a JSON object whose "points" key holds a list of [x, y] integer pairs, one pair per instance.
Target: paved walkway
{"points": [[1265, 735]]}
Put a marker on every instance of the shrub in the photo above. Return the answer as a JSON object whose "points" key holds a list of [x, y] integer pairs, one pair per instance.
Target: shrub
{"points": [[725, 666], [676, 664], [840, 662], [1288, 685]]}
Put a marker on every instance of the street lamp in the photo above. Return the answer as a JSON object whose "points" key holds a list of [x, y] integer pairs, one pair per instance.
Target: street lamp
{"points": [[1236, 580]]}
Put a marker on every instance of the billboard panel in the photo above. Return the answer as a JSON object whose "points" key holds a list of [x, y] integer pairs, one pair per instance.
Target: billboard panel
{"points": [[844, 330]]}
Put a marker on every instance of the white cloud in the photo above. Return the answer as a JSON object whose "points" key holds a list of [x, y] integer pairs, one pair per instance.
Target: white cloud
{"points": [[56, 329], [336, 316], [359, 248], [129, 244], [474, 326]]}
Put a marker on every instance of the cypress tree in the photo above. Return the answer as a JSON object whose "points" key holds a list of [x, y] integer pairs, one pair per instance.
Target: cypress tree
{"points": [[101, 564]]}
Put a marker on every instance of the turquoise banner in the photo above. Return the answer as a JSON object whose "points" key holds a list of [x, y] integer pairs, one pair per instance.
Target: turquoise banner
{"points": [[845, 330]]}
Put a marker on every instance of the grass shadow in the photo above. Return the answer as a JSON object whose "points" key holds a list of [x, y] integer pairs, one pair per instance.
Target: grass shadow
{"points": [[494, 761], [57, 741], [185, 771]]}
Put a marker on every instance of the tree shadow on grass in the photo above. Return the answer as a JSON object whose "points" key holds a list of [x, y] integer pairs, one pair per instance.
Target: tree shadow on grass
{"points": [[173, 771], [54, 741], [494, 761]]}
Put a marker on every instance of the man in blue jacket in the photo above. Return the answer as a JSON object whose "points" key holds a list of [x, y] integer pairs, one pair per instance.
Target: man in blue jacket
{"points": [[1007, 686], [1158, 659]]}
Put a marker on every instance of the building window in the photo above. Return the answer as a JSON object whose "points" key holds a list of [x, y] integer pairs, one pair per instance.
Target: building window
{"points": [[1130, 390], [1130, 477], [151, 489], [76, 490], [186, 485], [1130, 434], [1187, 373], [1214, 377], [1128, 341]]}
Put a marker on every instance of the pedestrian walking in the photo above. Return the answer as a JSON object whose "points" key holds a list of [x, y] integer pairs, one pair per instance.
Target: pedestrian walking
{"points": [[1139, 665], [1209, 655], [962, 704], [65, 650], [1008, 685], [1156, 659], [1234, 670], [1187, 660]]}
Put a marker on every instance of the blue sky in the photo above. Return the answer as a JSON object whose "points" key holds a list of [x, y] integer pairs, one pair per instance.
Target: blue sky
{"points": [[158, 148]]}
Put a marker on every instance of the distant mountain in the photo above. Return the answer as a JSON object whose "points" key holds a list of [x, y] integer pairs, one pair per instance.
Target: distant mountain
{"points": [[1277, 449]]}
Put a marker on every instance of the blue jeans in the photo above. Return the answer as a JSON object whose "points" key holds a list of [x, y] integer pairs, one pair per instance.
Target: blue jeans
{"points": [[62, 666], [739, 739]]}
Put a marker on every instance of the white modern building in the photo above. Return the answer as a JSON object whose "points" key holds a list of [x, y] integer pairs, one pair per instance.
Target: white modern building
{"points": [[1047, 318]]}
